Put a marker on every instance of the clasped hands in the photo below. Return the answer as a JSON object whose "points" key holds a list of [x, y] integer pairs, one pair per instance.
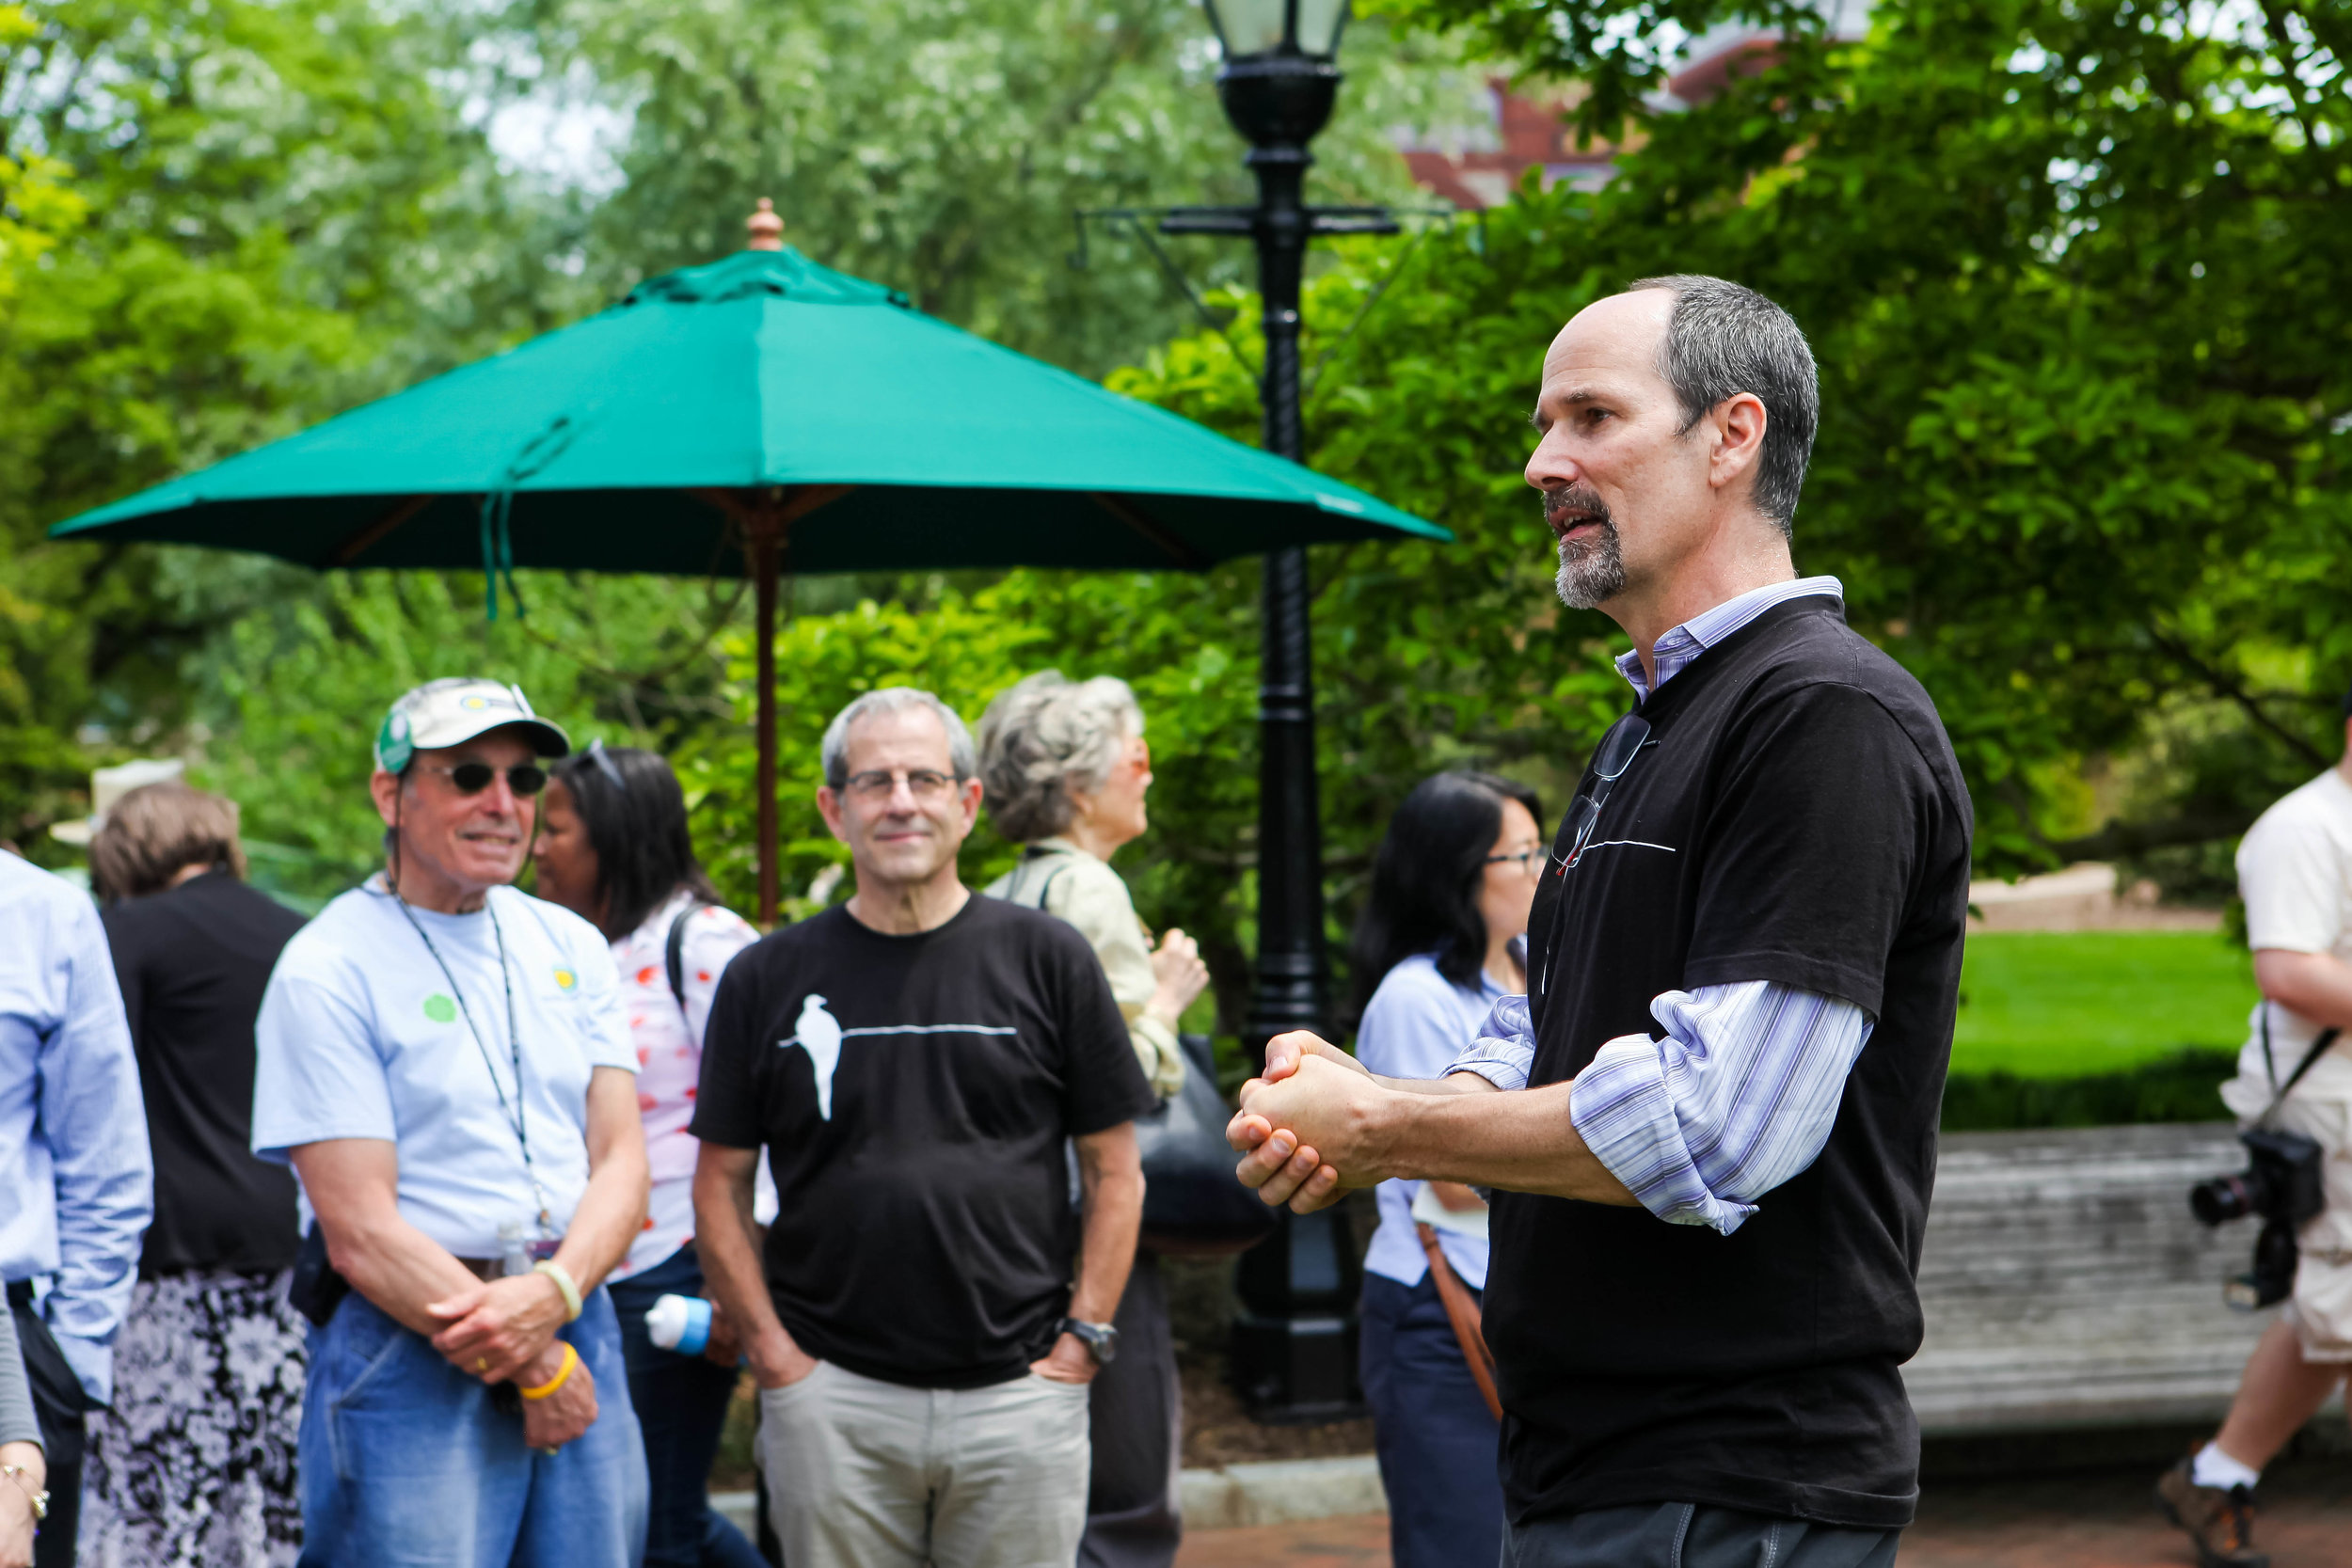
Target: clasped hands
{"points": [[504, 1331], [1311, 1125]]}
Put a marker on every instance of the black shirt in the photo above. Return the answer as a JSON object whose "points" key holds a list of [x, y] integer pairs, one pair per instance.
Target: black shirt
{"points": [[915, 1093], [1800, 819], [193, 961]]}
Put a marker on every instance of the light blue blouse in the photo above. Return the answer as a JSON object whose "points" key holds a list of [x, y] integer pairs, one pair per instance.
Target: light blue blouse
{"points": [[1414, 1026]]}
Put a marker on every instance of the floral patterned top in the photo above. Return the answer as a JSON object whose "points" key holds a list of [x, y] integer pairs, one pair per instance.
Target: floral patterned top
{"points": [[669, 1060]]}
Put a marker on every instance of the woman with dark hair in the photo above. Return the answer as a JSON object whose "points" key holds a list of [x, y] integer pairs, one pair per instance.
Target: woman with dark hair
{"points": [[614, 848], [1440, 942], [194, 1463]]}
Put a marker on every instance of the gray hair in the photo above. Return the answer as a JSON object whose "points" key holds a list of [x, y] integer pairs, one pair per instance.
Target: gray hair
{"points": [[1722, 339], [1043, 739], [834, 749]]}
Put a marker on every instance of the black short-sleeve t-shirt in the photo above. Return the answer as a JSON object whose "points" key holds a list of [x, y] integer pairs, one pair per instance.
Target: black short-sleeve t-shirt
{"points": [[1798, 817], [914, 1094], [193, 961]]}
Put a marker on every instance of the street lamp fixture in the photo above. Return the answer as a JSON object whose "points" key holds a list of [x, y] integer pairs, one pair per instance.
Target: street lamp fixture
{"points": [[1279, 79], [1294, 1347]]}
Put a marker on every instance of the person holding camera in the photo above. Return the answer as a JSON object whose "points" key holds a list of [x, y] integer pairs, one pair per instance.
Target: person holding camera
{"points": [[2293, 1094]]}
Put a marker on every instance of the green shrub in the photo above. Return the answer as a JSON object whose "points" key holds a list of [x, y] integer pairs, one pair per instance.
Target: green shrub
{"points": [[2179, 1087]]}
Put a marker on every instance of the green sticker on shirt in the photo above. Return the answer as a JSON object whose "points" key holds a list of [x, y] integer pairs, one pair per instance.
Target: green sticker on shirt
{"points": [[440, 1008]]}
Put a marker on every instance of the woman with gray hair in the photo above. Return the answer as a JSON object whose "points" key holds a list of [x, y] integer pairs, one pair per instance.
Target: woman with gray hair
{"points": [[1065, 769]]}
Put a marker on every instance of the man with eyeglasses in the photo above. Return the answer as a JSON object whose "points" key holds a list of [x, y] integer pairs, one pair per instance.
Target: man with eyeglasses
{"points": [[1712, 1121], [444, 1061], [914, 1062]]}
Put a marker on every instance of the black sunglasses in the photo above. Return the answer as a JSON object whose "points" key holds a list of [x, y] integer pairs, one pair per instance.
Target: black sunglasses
{"points": [[1618, 749], [525, 779]]}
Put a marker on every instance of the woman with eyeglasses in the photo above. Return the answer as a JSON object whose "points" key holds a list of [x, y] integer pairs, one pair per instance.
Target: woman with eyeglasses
{"points": [[614, 848], [1441, 941]]}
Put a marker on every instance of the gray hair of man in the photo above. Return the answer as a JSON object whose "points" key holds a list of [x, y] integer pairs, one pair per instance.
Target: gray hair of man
{"points": [[834, 749], [1046, 736], [1722, 339]]}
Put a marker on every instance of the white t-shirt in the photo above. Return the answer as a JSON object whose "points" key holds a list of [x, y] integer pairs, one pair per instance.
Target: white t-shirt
{"points": [[669, 1044], [360, 1037], [2294, 871]]}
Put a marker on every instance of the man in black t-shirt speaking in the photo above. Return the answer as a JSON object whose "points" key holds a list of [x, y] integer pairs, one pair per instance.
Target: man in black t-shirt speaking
{"points": [[913, 1062], [1706, 1245]]}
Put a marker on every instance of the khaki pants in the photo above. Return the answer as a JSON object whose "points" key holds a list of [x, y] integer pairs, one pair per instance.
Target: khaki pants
{"points": [[862, 1474], [2321, 1307]]}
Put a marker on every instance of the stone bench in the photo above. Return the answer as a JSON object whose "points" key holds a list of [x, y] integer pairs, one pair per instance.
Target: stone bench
{"points": [[2066, 1285]]}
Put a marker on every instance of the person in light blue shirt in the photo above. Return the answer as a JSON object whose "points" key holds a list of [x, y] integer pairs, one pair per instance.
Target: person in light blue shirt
{"points": [[1437, 945], [76, 1182], [445, 1062]]}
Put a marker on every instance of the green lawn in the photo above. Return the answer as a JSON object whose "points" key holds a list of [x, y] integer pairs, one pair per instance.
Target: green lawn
{"points": [[2067, 1004]]}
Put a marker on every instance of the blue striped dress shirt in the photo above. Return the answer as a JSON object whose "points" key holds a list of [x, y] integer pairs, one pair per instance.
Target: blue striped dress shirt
{"points": [[1742, 1093]]}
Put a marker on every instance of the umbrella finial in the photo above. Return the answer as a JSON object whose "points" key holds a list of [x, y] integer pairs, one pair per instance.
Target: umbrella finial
{"points": [[766, 229]]}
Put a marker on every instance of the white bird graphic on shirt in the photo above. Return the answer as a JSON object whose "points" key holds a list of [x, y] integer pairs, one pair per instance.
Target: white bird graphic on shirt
{"points": [[819, 1033]]}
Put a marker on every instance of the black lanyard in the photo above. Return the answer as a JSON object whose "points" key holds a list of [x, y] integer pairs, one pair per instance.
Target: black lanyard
{"points": [[513, 1112]]}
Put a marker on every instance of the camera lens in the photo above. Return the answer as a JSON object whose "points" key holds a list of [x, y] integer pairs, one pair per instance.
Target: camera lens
{"points": [[2227, 1197]]}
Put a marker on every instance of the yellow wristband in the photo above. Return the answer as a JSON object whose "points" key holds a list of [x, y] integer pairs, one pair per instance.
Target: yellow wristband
{"points": [[562, 1375], [562, 1278]]}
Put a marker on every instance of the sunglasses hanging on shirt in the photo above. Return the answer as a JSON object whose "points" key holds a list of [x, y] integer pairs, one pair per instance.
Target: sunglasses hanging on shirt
{"points": [[1619, 748]]}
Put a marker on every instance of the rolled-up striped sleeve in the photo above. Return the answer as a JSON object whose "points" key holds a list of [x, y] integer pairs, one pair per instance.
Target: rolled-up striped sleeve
{"points": [[1737, 1097], [1504, 1052]]}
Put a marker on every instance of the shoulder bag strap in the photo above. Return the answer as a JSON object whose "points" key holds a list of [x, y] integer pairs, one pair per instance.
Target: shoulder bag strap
{"points": [[1462, 1312], [673, 953], [2310, 1059], [1046, 888]]}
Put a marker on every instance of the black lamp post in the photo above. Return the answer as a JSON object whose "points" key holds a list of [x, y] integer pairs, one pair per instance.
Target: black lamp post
{"points": [[1293, 1350]]}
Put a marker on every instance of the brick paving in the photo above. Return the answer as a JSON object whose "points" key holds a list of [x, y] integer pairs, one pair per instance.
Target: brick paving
{"points": [[2104, 1519]]}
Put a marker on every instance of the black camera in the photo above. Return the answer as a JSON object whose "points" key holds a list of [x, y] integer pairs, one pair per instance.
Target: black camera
{"points": [[2281, 1184]]}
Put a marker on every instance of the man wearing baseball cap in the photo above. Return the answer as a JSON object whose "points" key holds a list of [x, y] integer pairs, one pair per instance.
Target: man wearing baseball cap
{"points": [[444, 1062]]}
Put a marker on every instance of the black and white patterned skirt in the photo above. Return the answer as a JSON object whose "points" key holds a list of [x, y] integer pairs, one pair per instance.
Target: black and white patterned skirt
{"points": [[194, 1466]]}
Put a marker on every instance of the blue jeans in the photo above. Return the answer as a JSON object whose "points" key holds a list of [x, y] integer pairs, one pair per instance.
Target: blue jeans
{"points": [[681, 1405], [406, 1464], [1439, 1445]]}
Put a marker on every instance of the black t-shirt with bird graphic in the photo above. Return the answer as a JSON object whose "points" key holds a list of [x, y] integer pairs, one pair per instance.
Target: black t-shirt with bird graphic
{"points": [[914, 1094]]}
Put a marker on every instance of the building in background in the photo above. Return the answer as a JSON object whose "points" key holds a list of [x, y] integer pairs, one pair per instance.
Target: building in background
{"points": [[1527, 128]]}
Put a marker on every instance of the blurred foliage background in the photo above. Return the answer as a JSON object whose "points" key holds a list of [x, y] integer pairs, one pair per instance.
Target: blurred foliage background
{"points": [[2075, 271]]}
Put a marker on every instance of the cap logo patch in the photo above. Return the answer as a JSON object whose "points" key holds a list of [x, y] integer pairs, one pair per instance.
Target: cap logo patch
{"points": [[440, 1008], [395, 746], [475, 703]]}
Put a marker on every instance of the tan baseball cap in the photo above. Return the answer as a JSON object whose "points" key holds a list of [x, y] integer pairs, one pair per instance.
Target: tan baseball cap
{"points": [[455, 709]]}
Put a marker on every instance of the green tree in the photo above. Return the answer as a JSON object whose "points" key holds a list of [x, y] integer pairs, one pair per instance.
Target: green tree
{"points": [[2077, 276], [285, 211], [944, 146]]}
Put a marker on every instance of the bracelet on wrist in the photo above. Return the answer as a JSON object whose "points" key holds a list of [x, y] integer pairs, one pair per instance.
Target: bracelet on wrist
{"points": [[37, 1496], [562, 1375], [562, 1277]]}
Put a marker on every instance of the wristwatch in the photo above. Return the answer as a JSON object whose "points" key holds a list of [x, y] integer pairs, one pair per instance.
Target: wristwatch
{"points": [[40, 1499], [1101, 1340]]}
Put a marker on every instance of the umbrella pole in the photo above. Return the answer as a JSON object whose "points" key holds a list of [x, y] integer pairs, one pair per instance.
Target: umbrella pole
{"points": [[762, 542]]}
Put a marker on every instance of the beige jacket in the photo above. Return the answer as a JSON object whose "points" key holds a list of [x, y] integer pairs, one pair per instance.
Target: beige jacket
{"points": [[1057, 877]]}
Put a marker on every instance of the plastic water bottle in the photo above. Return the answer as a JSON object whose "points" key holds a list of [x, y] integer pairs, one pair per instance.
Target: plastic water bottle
{"points": [[681, 1324]]}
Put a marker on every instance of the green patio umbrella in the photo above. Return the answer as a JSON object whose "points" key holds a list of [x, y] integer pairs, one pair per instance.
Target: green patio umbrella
{"points": [[760, 415]]}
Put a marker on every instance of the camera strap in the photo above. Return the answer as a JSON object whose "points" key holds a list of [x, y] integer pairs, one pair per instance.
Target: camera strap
{"points": [[2270, 1067]]}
